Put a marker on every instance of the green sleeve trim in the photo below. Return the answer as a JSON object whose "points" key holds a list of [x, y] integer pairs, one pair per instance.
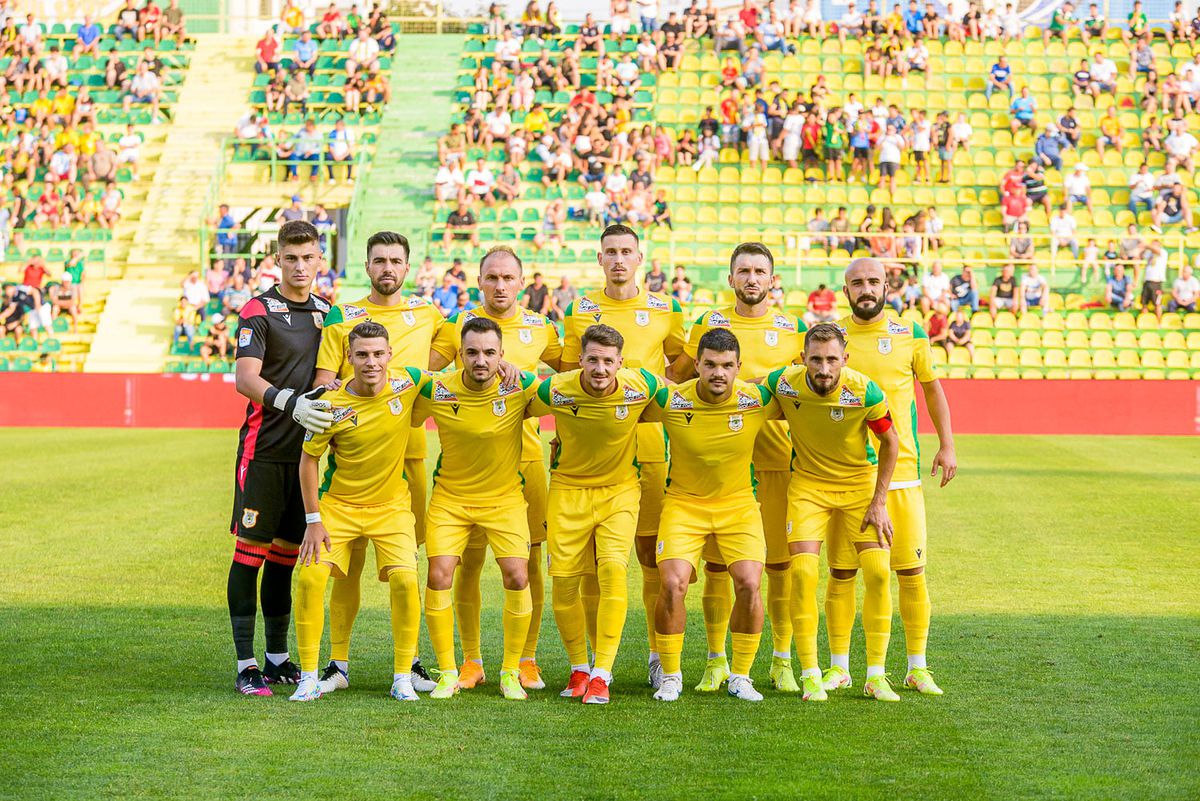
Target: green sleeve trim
{"points": [[453, 319], [801, 326], [527, 379], [543, 390], [427, 390], [765, 393], [660, 397], [874, 394], [919, 332], [651, 380], [700, 319], [334, 316], [675, 307], [414, 374], [570, 309], [773, 379]]}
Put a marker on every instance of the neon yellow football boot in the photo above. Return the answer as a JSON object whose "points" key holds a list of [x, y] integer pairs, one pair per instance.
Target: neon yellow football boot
{"points": [[921, 680], [447, 685], [510, 685], [880, 689], [835, 678], [716, 673], [782, 678], [813, 689]]}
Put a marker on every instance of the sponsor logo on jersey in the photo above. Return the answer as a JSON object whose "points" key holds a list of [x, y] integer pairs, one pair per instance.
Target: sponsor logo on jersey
{"points": [[679, 402], [320, 304], [341, 413], [894, 327], [525, 335], [508, 389], [440, 393], [587, 306], [400, 384], [318, 319], [249, 517], [244, 337], [718, 320], [842, 328], [277, 306], [836, 414], [655, 302], [409, 318], [784, 322], [884, 345], [786, 389], [622, 412], [848, 398], [396, 405], [745, 401], [735, 422], [531, 319], [468, 316], [353, 312], [633, 396], [414, 302], [771, 338], [559, 399], [499, 407]]}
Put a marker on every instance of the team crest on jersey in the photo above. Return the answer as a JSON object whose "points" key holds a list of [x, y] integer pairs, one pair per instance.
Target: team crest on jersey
{"points": [[244, 337], [587, 306], [718, 320], [848, 398], [633, 396], [525, 335], [249, 517], [885, 345], [735, 422], [745, 401], [622, 412], [277, 306], [786, 389], [771, 337], [440, 393], [559, 399], [784, 322], [836, 414], [499, 407], [396, 406], [409, 318], [655, 302], [398, 385], [353, 312], [679, 402], [894, 327], [642, 318], [321, 305], [318, 319], [341, 413]]}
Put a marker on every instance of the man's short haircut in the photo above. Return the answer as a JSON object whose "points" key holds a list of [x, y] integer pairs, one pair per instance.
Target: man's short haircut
{"points": [[604, 335], [618, 229], [368, 330], [501, 249], [481, 325], [824, 332], [752, 249], [388, 238], [297, 232], [718, 340]]}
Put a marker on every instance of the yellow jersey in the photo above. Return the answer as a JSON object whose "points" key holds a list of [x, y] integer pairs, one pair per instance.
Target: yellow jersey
{"points": [[652, 326], [830, 438], [894, 352], [366, 442], [597, 436], [412, 326], [529, 339], [480, 434], [712, 444], [768, 343]]}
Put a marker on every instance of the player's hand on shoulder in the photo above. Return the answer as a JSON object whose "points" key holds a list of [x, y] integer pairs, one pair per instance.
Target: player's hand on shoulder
{"points": [[947, 459], [315, 536], [510, 374], [310, 411]]}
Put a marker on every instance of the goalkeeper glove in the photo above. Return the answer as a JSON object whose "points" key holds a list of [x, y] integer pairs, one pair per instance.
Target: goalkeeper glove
{"points": [[313, 414]]}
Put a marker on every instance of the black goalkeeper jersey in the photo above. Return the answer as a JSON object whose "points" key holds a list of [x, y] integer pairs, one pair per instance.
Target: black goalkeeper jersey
{"points": [[286, 336]]}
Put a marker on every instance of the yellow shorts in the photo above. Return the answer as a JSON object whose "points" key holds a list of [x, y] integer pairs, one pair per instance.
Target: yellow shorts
{"points": [[450, 523], [414, 473], [388, 527], [653, 482], [771, 492], [587, 526], [906, 508], [734, 525], [817, 515]]}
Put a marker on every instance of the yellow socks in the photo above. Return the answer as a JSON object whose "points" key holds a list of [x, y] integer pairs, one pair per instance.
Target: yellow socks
{"points": [[568, 615], [537, 594], [717, 602], [670, 651], [610, 618], [839, 614], [439, 619], [804, 608], [518, 606], [468, 601], [650, 587], [406, 617], [877, 606], [779, 609], [310, 614], [915, 611], [589, 590], [344, 600], [745, 646]]}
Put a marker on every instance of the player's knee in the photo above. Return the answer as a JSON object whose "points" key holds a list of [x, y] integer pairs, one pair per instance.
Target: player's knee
{"points": [[646, 547], [514, 573], [843, 574], [780, 568], [313, 579], [713, 567], [912, 571], [612, 578], [402, 580], [675, 585], [441, 573]]}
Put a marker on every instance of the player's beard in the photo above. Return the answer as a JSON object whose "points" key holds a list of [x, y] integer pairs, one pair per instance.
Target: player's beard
{"points": [[386, 291], [748, 299], [868, 312]]}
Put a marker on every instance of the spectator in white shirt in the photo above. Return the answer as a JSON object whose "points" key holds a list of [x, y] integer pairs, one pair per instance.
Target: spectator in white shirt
{"points": [[627, 73], [1104, 73], [1141, 189], [1077, 188], [851, 24], [1181, 148], [935, 288], [195, 292], [1184, 291], [1035, 290], [364, 53], [481, 182], [448, 183], [616, 183], [1062, 233], [508, 49], [1012, 24], [341, 150], [891, 148], [1153, 278], [497, 127], [56, 66]]}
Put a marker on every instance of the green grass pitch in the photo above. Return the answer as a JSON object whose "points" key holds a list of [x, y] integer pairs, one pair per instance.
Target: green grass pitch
{"points": [[1066, 632]]}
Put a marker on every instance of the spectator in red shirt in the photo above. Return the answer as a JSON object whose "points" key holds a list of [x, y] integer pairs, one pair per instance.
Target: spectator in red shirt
{"points": [[749, 15], [938, 329], [822, 306], [35, 273], [810, 140], [267, 49], [1015, 207], [1013, 178]]}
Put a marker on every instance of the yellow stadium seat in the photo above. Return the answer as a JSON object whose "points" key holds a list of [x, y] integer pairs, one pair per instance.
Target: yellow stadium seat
{"points": [[1191, 321], [1081, 374], [1029, 320], [1152, 358], [986, 373], [703, 297], [1029, 339], [1150, 340], [1147, 322], [707, 194], [939, 356], [1008, 374], [959, 356], [1005, 338], [1079, 358], [1055, 358], [1174, 341], [1006, 357], [1030, 357], [1128, 358], [1053, 339], [1104, 358], [1177, 359], [1102, 339], [982, 338], [984, 357], [1126, 339], [728, 196], [1195, 360], [1005, 319], [1100, 322], [684, 215]]}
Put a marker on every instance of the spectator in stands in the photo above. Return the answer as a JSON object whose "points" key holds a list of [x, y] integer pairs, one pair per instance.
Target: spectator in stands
{"points": [[729, 37], [305, 53], [1077, 188], [1000, 78], [851, 23], [237, 293], [172, 24], [64, 300], [937, 328], [145, 87], [661, 214], [1024, 111], [449, 184], [195, 292], [822, 306], [463, 303], [1110, 132], [1184, 291], [296, 92], [87, 38], [1135, 24], [1020, 245], [1035, 291], [216, 341], [1061, 22], [128, 22], [481, 183], [1015, 206], [1141, 189], [295, 211], [376, 90], [560, 298], [891, 148], [445, 297], [964, 291], [1062, 232], [1181, 147], [935, 288], [1004, 292], [266, 53], [681, 286], [590, 38], [959, 333], [341, 150], [1154, 277], [537, 295], [185, 322], [1118, 291], [656, 279], [1172, 209], [461, 225], [1049, 147], [1094, 25], [331, 26]]}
